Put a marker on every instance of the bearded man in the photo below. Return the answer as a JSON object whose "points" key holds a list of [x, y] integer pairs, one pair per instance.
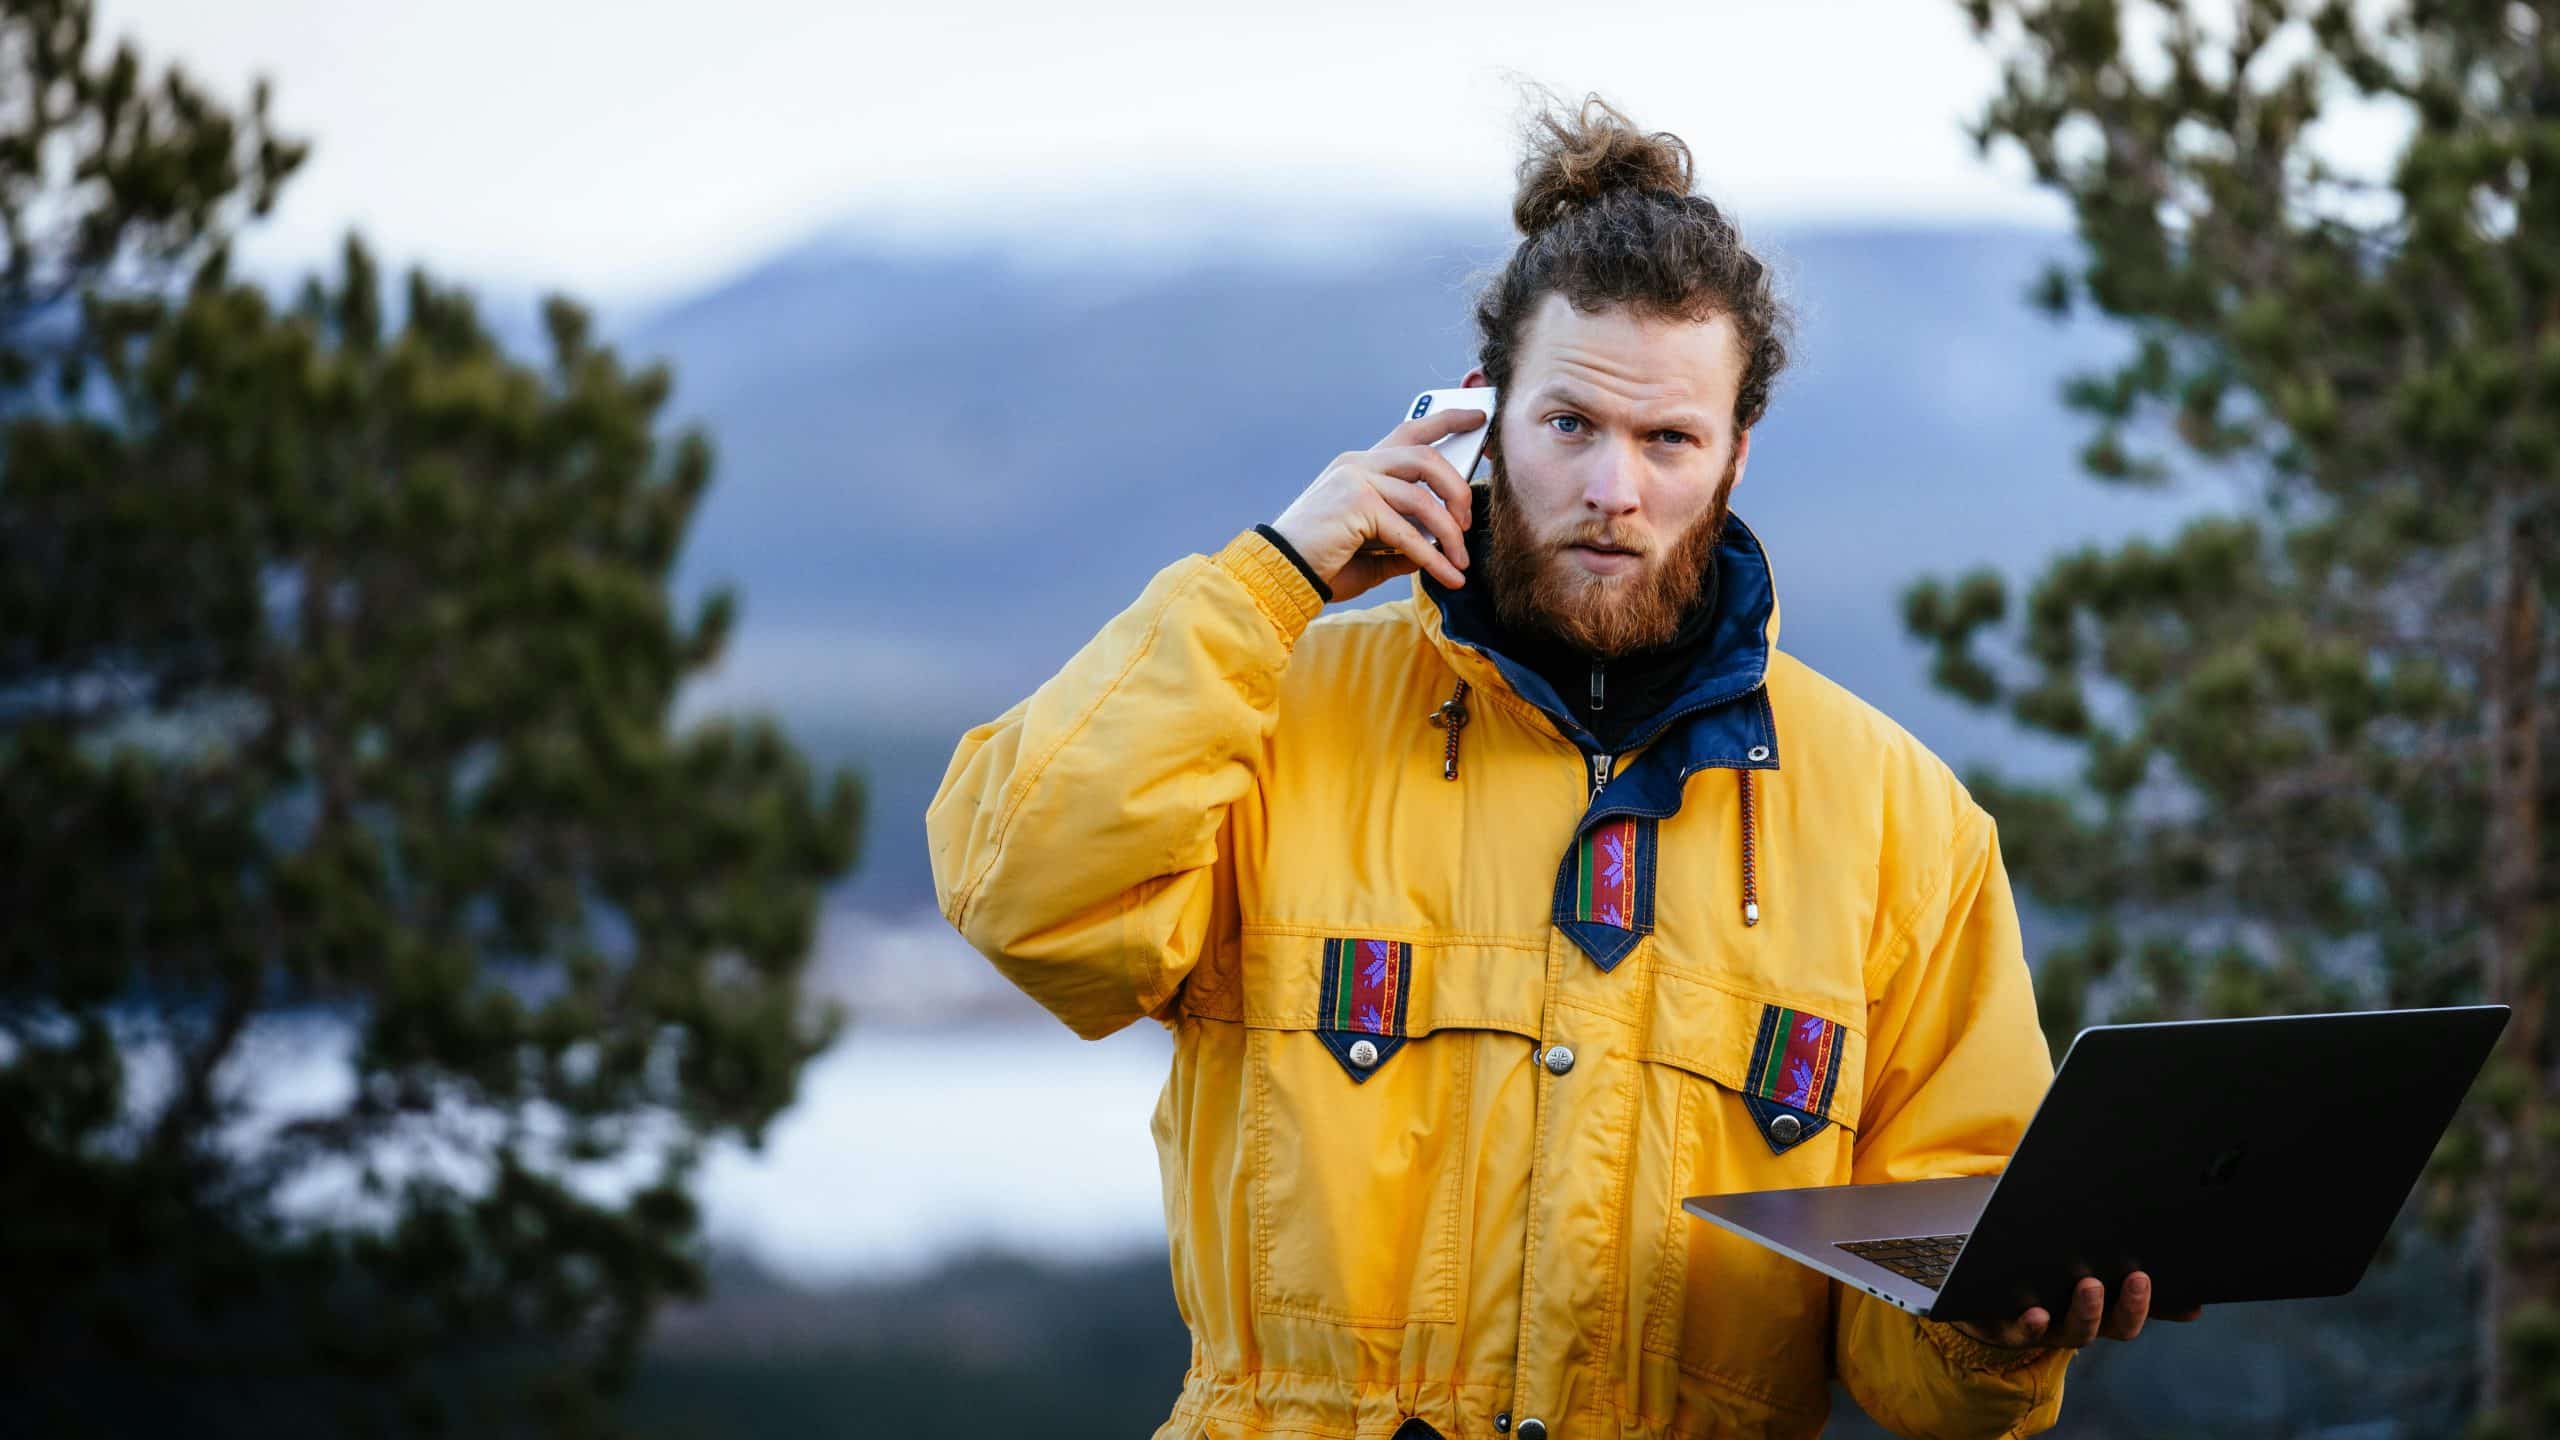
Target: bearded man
{"points": [[1491, 922]]}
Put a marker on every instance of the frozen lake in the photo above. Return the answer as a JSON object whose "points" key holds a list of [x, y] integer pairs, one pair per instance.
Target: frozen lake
{"points": [[952, 1114], [909, 1144]]}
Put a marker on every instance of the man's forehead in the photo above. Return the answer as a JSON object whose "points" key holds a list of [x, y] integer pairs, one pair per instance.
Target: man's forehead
{"points": [[1664, 370], [1561, 386]]}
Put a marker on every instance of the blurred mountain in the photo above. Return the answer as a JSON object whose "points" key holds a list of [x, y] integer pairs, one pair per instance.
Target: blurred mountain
{"points": [[940, 474]]}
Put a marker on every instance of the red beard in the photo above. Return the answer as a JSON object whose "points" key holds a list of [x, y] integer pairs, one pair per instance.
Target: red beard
{"points": [[1538, 586]]}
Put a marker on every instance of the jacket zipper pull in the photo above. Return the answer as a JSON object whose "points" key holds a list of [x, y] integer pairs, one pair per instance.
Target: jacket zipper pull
{"points": [[1599, 685], [1451, 716], [1599, 772]]}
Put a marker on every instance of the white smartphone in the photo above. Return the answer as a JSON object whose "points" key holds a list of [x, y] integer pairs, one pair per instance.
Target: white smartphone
{"points": [[1463, 447]]}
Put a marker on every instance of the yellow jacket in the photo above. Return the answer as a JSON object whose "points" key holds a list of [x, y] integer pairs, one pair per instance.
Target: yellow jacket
{"points": [[1389, 1189]]}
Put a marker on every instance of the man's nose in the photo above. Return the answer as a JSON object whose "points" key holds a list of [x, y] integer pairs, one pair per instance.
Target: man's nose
{"points": [[1609, 486]]}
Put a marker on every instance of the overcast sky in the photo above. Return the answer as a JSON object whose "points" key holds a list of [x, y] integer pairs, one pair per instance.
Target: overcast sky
{"points": [[641, 146]]}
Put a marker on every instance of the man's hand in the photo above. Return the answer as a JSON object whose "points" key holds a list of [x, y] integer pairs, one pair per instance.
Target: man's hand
{"points": [[1368, 496], [2090, 1317]]}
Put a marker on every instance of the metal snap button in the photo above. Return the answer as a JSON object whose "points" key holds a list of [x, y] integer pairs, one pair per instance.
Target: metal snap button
{"points": [[1786, 1128], [1533, 1428], [1758, 752], [1363, 1054], [1559, 1058], [1502, 1422]]}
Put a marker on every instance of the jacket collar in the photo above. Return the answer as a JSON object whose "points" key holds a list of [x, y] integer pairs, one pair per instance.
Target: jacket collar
{"points": [[1718, 716]]}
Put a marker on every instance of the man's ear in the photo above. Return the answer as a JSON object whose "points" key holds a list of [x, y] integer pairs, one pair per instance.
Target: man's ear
{"points": [[1741, 456], [1475, 379]]}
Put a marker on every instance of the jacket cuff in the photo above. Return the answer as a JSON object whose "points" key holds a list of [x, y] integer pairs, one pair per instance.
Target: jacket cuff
{"points": [[1278, 588], [1281, 543], [1971, 1354]]}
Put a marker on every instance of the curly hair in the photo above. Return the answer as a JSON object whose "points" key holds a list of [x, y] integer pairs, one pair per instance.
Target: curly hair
{"points": [[1607, 219]]}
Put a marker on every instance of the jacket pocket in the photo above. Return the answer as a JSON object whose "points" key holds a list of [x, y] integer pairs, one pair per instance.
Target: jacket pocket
{"points": [[1740, 1093], [1359, 1088]]}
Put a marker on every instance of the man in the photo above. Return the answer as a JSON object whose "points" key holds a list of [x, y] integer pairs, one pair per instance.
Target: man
{"points": [[1491, 922]]}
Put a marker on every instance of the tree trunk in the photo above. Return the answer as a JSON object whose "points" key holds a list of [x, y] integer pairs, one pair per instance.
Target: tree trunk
{"points": [[2517, 1251]]}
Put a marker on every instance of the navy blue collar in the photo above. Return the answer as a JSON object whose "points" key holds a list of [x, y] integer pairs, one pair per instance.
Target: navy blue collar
{"points": [[1717, 717]]}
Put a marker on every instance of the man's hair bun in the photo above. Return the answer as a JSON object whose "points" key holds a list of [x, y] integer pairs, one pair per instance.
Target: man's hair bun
{"points": [[1607, 219], [1574, 160]]}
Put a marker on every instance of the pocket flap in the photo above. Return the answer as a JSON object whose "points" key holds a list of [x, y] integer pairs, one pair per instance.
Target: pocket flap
{"points": [[1808, 1058], [1401, 983]]}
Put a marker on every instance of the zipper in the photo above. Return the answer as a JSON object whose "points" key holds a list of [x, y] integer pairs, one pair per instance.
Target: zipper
{"points": [[1599, 700]]}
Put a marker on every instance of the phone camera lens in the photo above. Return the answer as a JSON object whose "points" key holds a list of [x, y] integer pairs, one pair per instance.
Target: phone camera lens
{"points": [[1420, 406]]}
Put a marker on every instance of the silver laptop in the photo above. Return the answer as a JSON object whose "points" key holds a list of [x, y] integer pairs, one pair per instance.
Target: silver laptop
{"points": [[2256, 1159]]}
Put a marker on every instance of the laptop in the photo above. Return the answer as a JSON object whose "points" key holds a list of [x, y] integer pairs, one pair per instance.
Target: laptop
{"points": [[2250, 1159]]}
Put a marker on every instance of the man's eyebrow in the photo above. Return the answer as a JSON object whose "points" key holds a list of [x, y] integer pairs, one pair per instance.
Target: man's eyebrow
{"points": [[1673, 420]]}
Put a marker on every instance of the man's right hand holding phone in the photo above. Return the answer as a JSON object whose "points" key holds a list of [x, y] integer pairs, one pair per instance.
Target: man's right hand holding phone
{"points": [[1370, 497]]}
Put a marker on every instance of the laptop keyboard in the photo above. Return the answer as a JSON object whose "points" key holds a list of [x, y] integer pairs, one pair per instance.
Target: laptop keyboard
{"points": [[1924, 1258]]}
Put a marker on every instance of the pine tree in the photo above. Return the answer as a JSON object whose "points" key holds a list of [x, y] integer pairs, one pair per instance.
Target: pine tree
{"points": [[109, 177], [2315, 727], [337, 661]]}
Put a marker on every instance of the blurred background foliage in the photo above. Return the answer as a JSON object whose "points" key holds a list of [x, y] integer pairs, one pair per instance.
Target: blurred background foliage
{"points": [[2317, 727], [336, 663]]}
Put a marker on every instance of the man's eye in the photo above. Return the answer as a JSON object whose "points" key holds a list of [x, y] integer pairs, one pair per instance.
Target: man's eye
{"points": [[1574, 419], [1682, 434]]}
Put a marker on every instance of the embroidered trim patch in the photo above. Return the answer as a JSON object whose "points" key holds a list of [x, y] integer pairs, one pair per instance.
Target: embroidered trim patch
{"points": [[1366, 985], [1604, 888], [1604, 874], [1795, 1064], [1800, 1068]]}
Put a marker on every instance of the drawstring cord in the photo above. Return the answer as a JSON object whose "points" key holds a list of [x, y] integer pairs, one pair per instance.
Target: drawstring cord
{"points": [[1452, 717], [1750, 885]]}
